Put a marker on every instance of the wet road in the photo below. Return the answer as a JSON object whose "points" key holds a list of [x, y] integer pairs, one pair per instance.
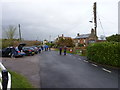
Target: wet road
{"points": [[74, 72]]}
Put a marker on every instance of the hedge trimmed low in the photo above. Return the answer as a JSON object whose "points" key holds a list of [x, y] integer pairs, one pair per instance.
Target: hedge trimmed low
{"points": [[107, 53]]}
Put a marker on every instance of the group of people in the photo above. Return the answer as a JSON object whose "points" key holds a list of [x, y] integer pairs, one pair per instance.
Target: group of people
{"points": [[61, 48], [44, 48]]}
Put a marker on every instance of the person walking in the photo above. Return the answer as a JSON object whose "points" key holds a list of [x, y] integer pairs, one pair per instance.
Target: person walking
{"points": [[42, 48], [13, 52], [39, 50], [60, 50], [45, 48], [65, 49], [50, 48]]}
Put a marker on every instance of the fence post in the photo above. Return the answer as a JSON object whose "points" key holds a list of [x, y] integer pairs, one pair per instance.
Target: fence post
{"points": [[4, 79]]}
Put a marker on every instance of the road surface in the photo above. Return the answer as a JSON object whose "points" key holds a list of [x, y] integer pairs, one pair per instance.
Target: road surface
{"points": [[72, 71], [27, 66]]}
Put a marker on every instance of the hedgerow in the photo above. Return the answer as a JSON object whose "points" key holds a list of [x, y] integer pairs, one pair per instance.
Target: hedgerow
{"points": [[107, 53]]}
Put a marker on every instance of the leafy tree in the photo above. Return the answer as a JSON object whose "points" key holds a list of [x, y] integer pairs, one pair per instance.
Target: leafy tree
{"points": [[65, 42], [50, 44], [115, 38], [80, 45]]}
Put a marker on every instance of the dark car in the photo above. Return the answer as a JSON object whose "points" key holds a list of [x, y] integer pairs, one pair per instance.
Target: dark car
{"points": [[20, 46], [29, 51], [36, 49], [11, 52], [20, 52]]}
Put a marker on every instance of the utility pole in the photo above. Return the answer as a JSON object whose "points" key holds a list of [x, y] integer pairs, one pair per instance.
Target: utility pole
{"points": [[95, 17], [19, 32], [50, 38]]}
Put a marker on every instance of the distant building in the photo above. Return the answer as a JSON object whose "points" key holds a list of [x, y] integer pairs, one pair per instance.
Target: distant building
{"points": [[45, 41], [85, 39], [62, 36], [64, 41]]}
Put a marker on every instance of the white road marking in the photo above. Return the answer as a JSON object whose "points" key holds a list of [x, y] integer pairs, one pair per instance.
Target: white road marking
{"points": [[106, 70], [85, 61], [95, 65], [79, 58]]}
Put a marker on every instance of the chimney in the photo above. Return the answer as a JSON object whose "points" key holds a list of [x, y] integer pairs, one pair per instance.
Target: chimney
{"points": [[92, 31], [78, 34], [62, 35]]}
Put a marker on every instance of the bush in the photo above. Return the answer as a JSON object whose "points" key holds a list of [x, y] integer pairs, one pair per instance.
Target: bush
{"points": [[104, 53], [115, 38]]}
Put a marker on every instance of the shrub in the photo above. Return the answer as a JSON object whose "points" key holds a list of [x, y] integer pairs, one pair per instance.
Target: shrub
{"points": [[104, 53]]}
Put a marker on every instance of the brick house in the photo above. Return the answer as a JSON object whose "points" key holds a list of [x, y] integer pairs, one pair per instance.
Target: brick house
{"points": [[85, 39]]}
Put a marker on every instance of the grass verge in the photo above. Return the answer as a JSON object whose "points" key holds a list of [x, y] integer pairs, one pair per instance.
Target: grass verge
{"points": [[19, 81]]}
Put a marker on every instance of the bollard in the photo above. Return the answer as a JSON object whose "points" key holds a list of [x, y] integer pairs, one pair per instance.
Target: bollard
{"points": [[4, 79]]}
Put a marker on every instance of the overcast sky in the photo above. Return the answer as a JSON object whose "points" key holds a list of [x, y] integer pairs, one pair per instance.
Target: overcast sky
{"points": [[41, 19]]}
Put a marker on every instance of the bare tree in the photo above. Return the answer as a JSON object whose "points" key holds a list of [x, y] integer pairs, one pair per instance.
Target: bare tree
{"points": [[10, 32]]}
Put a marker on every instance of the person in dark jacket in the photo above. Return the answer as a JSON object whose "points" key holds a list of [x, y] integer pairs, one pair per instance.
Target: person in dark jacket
{"points": [[65, 49], [13, 51], [42, 48], [39, 50], [60, 50]]}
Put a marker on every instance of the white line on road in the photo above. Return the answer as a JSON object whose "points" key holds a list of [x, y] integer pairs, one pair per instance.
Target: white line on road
{"points": [[79, 58], [95, 65], [106, 70], [85, 61]]}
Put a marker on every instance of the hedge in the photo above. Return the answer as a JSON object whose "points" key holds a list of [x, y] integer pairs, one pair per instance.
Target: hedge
{"points": [[106, 53]]}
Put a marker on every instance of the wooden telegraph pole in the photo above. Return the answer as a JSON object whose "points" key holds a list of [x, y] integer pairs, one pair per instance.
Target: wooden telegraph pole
{"points": [[95, 17], [19, 32]]}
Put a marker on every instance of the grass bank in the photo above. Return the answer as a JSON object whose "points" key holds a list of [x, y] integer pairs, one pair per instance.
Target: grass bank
{"points": [[19, 81]]}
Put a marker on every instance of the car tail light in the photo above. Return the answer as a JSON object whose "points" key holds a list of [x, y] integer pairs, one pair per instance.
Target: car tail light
{"points": [[29, 50], [18, 51]]}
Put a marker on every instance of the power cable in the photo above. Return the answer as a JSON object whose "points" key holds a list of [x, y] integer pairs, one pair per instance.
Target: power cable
{"points": [[101, 24]]}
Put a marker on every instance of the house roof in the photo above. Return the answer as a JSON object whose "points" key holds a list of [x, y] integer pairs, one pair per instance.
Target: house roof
{"points": [[82, 36]]}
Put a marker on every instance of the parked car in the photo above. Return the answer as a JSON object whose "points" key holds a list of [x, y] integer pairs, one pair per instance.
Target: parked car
{"points": [[20, 46], [20, 52], [11, 52], [36, 50], [29, 51]]}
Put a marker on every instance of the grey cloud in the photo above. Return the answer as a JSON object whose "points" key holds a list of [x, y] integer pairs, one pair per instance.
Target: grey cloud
{"points": [[40, 20]]}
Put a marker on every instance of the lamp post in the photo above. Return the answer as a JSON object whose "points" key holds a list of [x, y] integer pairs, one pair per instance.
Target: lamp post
{"points": [[19, 32]]}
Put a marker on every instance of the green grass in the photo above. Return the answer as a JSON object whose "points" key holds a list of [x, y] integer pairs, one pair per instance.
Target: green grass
{"points": [[19, 81]]}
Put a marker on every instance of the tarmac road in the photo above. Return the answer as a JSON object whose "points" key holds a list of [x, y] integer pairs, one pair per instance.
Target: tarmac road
{"points": [[50, 70], [74, 72]]}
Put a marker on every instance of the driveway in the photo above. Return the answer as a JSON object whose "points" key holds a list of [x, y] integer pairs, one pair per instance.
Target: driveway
{"points": [[28, 66]]}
